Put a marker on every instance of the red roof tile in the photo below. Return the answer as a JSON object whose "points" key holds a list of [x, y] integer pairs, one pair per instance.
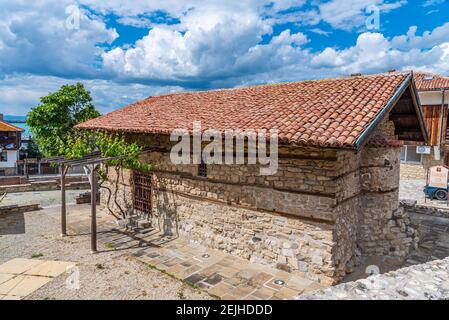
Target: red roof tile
{"points": [[426, 81], [326, 113]]}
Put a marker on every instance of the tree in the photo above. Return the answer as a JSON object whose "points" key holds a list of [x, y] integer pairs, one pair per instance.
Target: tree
{"points": [[52, 121], [31, 150]]}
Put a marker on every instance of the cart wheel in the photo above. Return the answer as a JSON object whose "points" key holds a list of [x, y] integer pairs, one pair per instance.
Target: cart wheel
{"points": [[441, 195]]}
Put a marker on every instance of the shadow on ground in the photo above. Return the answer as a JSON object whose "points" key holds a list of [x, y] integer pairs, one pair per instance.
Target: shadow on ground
{"points": [[12, 223]]}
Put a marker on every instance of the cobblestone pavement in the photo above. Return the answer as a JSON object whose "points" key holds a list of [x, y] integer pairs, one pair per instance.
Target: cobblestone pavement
{"points": [[412, 190], [218, 273], [110, 274], [419, 282]]}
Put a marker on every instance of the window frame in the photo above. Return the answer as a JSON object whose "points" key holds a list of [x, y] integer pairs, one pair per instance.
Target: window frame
{"points": [[5, 157], [202, 169], [411, 161]]}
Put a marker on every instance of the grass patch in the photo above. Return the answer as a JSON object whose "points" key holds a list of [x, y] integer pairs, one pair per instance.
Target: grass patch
{"points": [[181, 295], [37, 255], [109, 245]]}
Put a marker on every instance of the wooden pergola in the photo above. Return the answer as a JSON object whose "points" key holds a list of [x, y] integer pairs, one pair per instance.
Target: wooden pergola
{"points": [[92, 162]]}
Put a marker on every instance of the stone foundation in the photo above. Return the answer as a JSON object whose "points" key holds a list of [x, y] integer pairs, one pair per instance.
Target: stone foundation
{"points": [[426, 281]]}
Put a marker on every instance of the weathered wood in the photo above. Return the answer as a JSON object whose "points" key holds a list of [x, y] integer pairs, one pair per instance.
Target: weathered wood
{"points": [[93, 204], [63, 202]]}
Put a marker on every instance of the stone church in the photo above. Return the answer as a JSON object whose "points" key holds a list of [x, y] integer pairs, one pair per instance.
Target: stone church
{"points": [[333, 198]]}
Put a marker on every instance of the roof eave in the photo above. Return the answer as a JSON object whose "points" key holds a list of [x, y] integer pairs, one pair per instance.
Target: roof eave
{"points": [[388, 107]]}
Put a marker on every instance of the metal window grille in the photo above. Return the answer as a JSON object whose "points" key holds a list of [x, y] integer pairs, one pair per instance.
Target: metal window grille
{"points": [[202, 169], [142, 193]]}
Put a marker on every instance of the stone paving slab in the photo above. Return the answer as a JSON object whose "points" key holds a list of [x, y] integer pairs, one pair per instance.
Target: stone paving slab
{"points": [[19, 265], [5, 297], [20, 277], [5, 277], [220, 274], [50, 268], [22, 285]]}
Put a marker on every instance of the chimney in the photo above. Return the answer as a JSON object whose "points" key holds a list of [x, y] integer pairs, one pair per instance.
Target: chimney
{"points": [[1, 116]]}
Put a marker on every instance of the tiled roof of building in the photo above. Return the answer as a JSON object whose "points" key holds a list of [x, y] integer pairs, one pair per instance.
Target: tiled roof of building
{"points": [[5, 126], [326, 113], [426, 81]]}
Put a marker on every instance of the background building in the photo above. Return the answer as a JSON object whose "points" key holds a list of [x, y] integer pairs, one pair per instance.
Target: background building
{"points": [[10, 141], [433, 91]]}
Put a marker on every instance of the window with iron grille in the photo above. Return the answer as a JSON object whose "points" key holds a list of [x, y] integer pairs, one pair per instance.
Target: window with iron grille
{"points": [[202, 169], [142, 193]]}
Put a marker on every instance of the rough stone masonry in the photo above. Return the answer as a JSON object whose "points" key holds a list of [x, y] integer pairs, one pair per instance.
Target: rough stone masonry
{"points": [[428, 281], [315, 217]]}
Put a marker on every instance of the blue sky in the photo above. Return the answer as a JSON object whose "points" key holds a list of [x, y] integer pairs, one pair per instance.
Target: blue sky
{"points": [[124, 51]]}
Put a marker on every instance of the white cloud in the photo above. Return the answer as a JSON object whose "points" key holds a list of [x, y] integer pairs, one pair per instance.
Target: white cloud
{"points": [[375, 53], [349, 14], [19, 93], [207, 45], [34, 38], [429, 39], [213, 44], [429, 3]]}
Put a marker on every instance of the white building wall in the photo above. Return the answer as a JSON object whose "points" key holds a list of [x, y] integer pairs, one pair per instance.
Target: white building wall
{"points": [[13, 156], [433, 97]]}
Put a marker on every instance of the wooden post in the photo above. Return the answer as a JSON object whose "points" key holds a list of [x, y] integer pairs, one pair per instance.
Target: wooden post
{"points": [[93, 204], [26, 168], [63, 202]]}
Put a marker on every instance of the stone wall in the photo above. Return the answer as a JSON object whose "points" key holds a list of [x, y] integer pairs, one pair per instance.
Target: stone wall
{"points": [[412, 171], [5, 210], [43, 186], [383, 227], [315, 216], [412, 206]]}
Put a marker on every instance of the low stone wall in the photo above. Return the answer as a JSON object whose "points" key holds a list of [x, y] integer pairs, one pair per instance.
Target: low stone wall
{"points": [[412, 171], [6, 181], [4, 210], [412, 206], [429, 281], [43, 186]]}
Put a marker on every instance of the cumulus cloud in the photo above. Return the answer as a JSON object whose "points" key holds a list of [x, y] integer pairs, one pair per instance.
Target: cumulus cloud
{"points": [[375, 53], [34, 38], [195, 44], [19, 93], [207, 46], [349, 14]]}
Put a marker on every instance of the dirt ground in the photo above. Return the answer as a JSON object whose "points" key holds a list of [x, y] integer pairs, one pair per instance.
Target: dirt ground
{"points": [[108, 274]]}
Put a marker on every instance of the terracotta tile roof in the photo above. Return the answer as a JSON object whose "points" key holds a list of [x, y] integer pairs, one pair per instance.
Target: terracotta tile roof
{"points": [[426, 81], [5, 126], [326, 113]]}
